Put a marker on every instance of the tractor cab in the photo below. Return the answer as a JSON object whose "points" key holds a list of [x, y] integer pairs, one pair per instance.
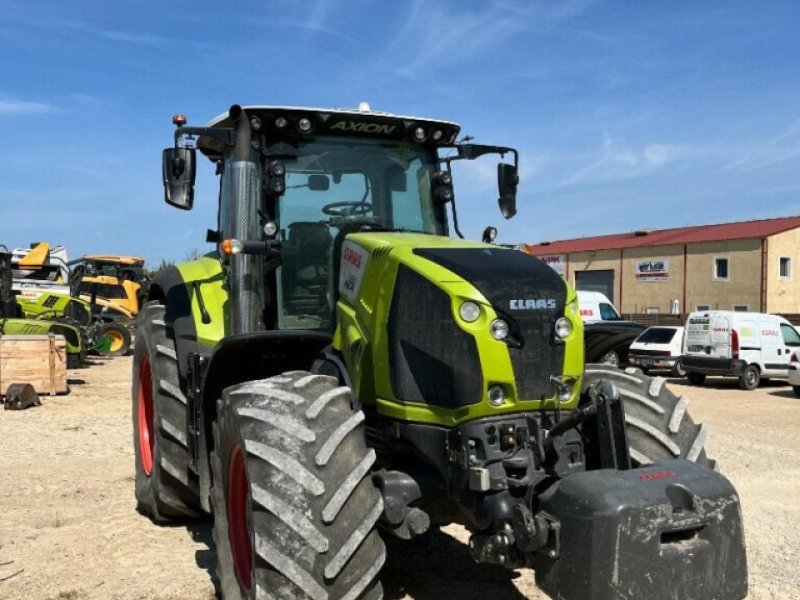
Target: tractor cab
{"points": [[296, 182]]}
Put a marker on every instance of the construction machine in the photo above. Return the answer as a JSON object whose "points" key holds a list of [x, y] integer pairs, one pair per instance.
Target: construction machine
{"points": [[117, 282], [13, 320], [40, 282], [340, 370]]}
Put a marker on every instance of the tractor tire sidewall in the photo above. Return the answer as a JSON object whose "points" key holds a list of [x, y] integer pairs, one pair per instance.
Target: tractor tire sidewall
{"points": [[658, 425], [611, 358], [268, 528], [163, 495], [750, 378], [126, 340]]}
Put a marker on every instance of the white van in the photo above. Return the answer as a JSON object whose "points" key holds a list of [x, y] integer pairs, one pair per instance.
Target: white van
{"points": [[596, 307], [740, 344]]}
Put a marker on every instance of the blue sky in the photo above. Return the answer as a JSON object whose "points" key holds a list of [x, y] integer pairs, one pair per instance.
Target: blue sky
{"points": [[627, 114]]}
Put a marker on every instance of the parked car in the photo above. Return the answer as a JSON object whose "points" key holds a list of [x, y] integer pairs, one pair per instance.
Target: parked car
{"points": [[659, 348], [747, 345], [607, 336], [794, 372]]}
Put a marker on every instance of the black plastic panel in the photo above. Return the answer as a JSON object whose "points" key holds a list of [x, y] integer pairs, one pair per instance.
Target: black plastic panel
{"points": [[510, 280], [431, 359]]}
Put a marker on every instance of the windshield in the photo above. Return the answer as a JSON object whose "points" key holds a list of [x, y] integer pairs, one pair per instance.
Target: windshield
{"points": [[341, 180], [334, 187], [608, 312], [657, 335]]}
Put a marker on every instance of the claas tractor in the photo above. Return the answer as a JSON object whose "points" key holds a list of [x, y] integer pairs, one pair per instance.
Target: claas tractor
{"points": [[15, 321], [341, 370]]}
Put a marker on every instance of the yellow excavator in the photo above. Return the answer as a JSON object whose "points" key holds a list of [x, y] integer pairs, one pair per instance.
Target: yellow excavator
{"points": [[115, 281]]}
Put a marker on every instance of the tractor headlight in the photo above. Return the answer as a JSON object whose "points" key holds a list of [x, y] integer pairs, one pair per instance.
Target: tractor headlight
{"points": [[497, 395], [563, 327], [499, 329], [469, 311]]}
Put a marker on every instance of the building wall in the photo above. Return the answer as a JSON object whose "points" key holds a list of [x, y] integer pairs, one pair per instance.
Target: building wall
{"points": [[600, 260], [783, 295], [641, 291], [690, 278], [743, 285]]}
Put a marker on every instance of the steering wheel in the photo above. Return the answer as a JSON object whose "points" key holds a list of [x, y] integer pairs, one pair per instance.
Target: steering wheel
{"points": [[347, 208]]}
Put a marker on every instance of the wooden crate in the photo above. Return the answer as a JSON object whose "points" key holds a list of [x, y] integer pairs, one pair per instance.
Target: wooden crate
{"points": [[40, 360]]}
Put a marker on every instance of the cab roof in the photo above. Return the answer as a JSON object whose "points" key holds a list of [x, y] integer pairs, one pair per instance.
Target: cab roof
{"points": [[116, 259], [310, 122]]}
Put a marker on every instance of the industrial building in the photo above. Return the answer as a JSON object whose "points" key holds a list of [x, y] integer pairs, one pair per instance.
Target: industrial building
{"points": [[734, 266]]}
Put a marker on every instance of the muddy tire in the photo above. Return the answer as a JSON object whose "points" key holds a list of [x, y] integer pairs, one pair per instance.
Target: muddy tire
{"points": [[659, 428], [165, 488], [120, 339], [294, 504]]}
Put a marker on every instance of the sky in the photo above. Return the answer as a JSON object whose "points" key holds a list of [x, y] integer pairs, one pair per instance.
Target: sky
{"points": [[627, 115]]}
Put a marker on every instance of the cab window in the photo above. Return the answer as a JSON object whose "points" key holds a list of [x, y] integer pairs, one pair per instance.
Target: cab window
{"points": [[790, 335]]}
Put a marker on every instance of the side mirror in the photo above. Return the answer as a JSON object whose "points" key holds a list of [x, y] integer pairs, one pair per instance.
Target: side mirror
{"points": [[489, 235], [178, 169], [507, 180]]}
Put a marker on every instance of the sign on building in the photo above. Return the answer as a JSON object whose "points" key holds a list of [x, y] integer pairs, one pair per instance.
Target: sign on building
{"points": [[652, 270], [558, 262]]}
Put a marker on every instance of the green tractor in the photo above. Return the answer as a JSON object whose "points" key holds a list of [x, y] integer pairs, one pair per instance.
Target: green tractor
{"points": [[14, 320], [342, 370], [103, 335]]}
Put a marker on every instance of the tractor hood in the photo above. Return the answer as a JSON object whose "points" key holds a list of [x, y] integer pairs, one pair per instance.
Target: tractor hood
{"points": [[409, 290]]}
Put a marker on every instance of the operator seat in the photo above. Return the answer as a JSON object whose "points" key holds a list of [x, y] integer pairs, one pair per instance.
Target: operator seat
{"points": [[307, 269]]}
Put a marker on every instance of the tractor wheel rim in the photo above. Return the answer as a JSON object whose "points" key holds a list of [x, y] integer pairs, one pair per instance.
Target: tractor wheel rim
{"points": [[238, 496], [116, 340], [145, 416]]}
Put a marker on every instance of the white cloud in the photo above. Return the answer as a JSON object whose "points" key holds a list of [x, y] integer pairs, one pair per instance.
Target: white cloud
{"points": [[14, 107]]}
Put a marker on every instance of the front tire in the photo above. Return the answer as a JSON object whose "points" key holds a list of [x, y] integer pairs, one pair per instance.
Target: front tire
{"points": [[796, 390], [119, 337], [166, 489], [659, 428], [696, 378], [294, 506]]}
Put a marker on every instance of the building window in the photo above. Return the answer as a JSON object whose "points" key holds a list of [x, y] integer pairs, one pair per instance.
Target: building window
{"points": [[652, 310], [700, 307], [721, 271], [785, 267], [740, 307]]}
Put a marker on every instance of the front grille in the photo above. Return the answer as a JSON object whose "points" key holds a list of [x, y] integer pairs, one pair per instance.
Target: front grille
{"points": [[78, 312], [510, 280], [431, 359]]}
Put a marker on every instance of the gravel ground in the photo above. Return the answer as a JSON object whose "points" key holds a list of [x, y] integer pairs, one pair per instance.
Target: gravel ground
{"points": [[68, 528]]}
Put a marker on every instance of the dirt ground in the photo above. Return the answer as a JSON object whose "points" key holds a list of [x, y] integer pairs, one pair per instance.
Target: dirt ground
{"points": [[68, 528]]}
